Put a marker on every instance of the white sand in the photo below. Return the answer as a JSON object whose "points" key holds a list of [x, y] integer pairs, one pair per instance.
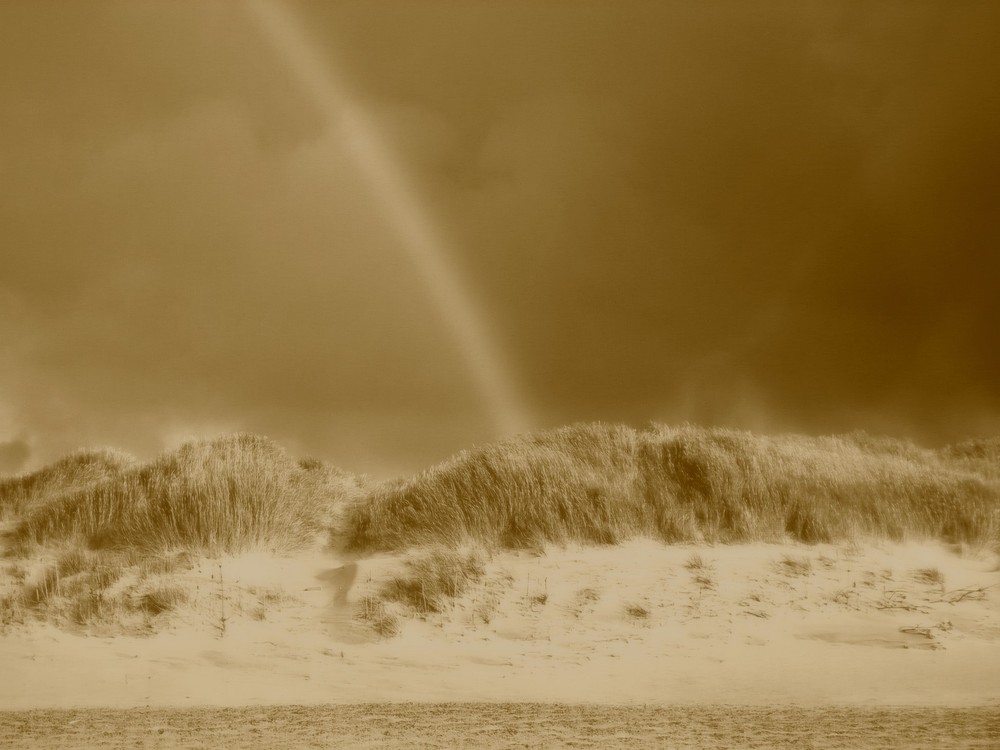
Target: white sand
{"points": [[559, 629]]}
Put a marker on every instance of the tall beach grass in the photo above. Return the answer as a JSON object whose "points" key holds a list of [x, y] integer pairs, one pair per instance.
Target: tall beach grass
{"points": [[604, 483], [72, 473], [229, 494]]}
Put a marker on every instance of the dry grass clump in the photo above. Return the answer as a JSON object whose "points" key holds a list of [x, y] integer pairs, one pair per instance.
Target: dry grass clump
{"points": [[795, 566], [163, 599], [695, 562], [704, 581], [38, 593], [636, 611], [602, 484], [433, 579], [73, 473], [99, 590], [229, 494], [429, 582], [930, 576], [375, 612]]}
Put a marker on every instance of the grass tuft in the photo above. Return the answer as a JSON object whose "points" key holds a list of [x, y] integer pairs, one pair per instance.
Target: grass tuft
{"points": [[374, 612], [429, 582], [163, 599], [930, 576], [704, 581], [636, 611], [38, 593], [433, 579], [695, 562], [795, 566]]}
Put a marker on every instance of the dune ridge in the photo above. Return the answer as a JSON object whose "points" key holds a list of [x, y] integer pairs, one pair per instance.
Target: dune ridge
{"points": [[591, 563], [601, 484]]}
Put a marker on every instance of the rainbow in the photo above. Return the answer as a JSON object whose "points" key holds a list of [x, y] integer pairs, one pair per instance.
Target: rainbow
{"points": [[420, 238]]}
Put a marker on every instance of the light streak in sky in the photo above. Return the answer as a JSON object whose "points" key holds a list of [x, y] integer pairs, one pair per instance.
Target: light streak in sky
{"points": [[419, 235]]}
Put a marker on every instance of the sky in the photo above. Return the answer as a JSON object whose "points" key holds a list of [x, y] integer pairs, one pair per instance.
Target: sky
{"points": [[777, 216]]}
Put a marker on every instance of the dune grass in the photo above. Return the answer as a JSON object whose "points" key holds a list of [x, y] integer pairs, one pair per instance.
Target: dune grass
{"points": [[574, 482], [598, 483], [589, 483], [109, 540], [430, 581], [109, 590], [73, 473], [230, 494]]}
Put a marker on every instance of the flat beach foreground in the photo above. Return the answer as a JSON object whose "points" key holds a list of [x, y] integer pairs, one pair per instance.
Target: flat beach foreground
{"points": [[506, 725], [633, 645]]}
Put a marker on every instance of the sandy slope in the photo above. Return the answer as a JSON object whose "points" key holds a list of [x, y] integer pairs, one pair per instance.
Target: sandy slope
{"points": [[635, 623]]}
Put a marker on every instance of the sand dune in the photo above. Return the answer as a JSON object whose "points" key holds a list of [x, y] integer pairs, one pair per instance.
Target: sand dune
{"points": [[636, 623], [671, 570]]}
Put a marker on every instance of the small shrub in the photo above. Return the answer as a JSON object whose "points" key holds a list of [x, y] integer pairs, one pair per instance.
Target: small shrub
{"points": [[539, 598]]}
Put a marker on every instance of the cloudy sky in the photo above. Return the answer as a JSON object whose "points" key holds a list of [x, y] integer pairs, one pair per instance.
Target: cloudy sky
{"points": [[776, 215]]}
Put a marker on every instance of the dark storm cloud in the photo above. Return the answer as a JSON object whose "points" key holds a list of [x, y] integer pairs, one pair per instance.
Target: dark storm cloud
{"points": [[775, 215]]}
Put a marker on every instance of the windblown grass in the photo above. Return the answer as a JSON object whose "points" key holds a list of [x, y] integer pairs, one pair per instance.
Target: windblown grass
{"points": [[576, 482], [430, 581], [110, 591], [433, 579], [229, 494], [980, 457], [602, 484], [73, 473]]}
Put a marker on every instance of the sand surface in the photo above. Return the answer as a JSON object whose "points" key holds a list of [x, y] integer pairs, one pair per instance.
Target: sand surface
{"points": [[640, 623], [504, 725]]}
